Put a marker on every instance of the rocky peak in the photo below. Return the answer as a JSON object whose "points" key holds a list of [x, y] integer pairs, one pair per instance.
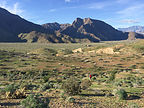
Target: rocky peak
{"points": [[53, 26], [63, 26], [87, 21], [77, 23]]}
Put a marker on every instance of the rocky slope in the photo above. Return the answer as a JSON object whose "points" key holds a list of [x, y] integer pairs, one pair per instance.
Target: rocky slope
{"points": [[11, 25], [88, 30], [13, 28]]}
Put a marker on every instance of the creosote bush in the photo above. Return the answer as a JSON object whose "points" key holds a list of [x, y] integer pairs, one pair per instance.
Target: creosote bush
{"points": [[120, 93], [112, 75], [46, 78], [46, 86], [85, 84], [132, 105], [70, 99], [12, 91], [72, 86], [34, 101]]}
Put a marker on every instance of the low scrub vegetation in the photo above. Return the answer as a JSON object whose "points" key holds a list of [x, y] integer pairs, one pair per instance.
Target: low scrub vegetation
{"points": [[35, 101], [62, 77], [72, 86]]}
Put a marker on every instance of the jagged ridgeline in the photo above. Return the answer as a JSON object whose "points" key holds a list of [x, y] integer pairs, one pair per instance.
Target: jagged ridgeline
{"points": [[13, 28]]}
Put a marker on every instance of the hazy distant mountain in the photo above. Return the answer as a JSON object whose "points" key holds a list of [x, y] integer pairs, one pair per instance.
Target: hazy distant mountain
{"points": [[138, 29]]}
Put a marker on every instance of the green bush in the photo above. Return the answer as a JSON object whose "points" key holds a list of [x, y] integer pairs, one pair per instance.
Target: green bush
{"points": [[28, 86], [72, 86], [85, 84], [67, 51], [62, 95], [132, 105], [46, 86], [70, 99], [12, 91], [130, 81], [11, 88], [34, 101], [133, 67], [46, 79], [120, 93], [138, 47], [112, 75]]}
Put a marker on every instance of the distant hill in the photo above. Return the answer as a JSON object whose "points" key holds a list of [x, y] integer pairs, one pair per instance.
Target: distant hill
{"points": [[94, 30], [88, 29], [13, 28], [11, 25], [138, 29], [55, 26]]}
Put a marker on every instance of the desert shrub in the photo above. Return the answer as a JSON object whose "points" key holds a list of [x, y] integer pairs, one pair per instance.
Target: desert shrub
{"points": [[34, 101], [58, 80], [71, 86], [85, 84], [120, 93], [62, 95], [46, 79], [130, 81], [28, 86], [132, 105], [133, 67], [11, 88], [67, 51], [46, 86], [112, 76], [138, 47], [52, 51], [118, 83], [70, 99], [57, 86], [12, 91], [93, 78]]}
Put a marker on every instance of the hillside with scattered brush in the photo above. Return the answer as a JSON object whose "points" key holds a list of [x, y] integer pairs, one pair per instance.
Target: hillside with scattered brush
{"points": [[57, 75]]}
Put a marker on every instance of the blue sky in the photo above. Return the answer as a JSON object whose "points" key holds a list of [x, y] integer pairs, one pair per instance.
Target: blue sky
{"points": [[118, 13]]}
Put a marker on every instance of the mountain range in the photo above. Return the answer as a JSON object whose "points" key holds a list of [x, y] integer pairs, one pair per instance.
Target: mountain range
{"points": [[13, 28], [138, 29]]}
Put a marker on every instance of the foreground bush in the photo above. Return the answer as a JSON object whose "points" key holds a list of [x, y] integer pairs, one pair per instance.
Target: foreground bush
{"points": [[72, 86], [46, 86], [132, 105], [70, 99], [12, 91], [85, 84], [34, 101], [120, 93]]}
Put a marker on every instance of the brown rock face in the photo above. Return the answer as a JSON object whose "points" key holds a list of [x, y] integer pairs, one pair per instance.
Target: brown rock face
{"points": [[131, 36], [94, 30]]}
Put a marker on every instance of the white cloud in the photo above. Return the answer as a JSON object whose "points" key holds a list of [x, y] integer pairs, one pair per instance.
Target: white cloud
{"points": [[131, 11], [14, 8]]}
